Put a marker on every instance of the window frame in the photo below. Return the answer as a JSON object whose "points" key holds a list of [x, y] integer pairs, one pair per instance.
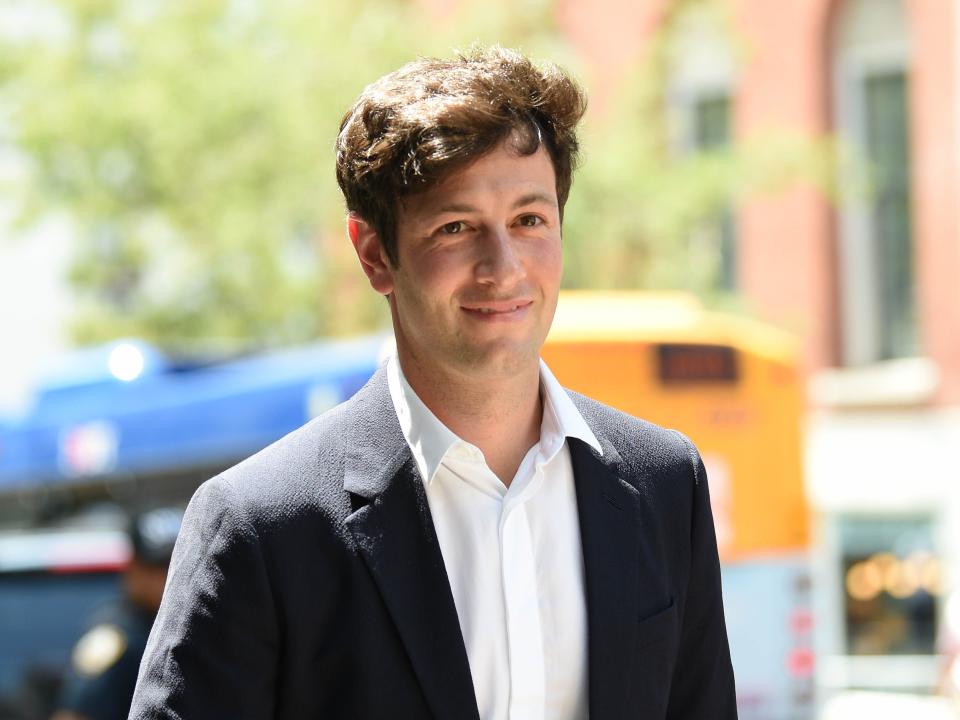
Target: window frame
{"points": [[853, 62]]}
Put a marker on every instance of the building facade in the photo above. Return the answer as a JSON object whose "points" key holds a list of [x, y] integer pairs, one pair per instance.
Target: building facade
{"points": [[868, 277]]}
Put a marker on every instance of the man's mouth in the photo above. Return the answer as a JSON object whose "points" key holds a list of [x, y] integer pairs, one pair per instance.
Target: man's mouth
{"points": [[499, 307]]}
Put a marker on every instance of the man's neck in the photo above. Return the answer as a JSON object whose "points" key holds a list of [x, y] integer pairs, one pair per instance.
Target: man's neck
{"points": [[500, 415]]}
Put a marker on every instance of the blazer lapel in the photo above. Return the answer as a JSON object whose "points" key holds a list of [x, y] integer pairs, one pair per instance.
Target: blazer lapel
{"points": [[395, 535], [609, 529]]}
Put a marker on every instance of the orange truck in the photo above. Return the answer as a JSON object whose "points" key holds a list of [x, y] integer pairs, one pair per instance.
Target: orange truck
{"points": [[733, 386]]}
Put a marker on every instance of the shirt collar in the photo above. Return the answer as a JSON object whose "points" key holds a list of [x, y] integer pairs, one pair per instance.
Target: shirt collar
{"points": [[430, 440], [569, 421]]}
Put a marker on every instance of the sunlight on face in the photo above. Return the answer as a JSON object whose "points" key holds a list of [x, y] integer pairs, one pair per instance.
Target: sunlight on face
{"points": [[480, 260]]}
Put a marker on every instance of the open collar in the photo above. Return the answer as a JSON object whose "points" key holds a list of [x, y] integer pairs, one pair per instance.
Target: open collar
{"points": [[430, 440], [394, 533]]}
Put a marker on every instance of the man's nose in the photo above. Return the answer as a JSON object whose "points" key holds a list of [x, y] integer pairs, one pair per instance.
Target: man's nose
{"points": [[499, 263]]}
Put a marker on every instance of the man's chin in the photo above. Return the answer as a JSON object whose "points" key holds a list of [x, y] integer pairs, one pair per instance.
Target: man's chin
{"points": [[499, 360]]}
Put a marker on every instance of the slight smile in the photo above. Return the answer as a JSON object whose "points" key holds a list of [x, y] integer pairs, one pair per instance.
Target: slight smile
{"points": [[498, 307]]}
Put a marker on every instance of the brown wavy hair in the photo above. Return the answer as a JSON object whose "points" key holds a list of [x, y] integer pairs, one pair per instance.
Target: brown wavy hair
{"points": [[412, 128]]}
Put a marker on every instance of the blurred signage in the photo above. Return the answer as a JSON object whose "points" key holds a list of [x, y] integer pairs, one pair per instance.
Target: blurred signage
{"points": [[89, 448], [687, 363]]}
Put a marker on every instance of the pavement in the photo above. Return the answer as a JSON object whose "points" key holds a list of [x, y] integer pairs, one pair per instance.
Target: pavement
{"points": [[888, 706]]}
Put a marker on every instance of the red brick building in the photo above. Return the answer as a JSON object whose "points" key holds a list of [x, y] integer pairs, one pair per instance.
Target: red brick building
{"points": [[869, 280], [784, 74]]}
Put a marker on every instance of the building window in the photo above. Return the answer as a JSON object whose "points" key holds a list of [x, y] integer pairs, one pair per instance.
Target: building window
{"points": [[892, 581], [885, 105], [871, 101], [711, 131], [701, 73]]}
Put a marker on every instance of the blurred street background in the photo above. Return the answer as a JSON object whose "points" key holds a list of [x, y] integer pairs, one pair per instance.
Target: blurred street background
{"points": [[762, 249]]}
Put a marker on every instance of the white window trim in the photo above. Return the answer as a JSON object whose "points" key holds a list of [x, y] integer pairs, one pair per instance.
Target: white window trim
{"points": [[900, 382], [851, 64], [708, 72], [703, 66]]}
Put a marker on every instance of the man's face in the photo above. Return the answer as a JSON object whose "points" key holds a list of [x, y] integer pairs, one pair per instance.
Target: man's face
{"points": [[479, 266]]}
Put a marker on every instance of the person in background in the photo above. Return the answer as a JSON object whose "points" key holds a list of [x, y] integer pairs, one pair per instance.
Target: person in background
{"points": [[103, 666]]}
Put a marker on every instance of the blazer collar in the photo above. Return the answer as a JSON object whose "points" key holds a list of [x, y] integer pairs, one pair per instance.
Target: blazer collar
{"points": [[376, 446], [610, 535], [395, 535]]}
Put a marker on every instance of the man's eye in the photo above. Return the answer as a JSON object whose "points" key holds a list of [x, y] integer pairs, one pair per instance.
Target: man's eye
{"points": [[530, 220], [452, 228]]}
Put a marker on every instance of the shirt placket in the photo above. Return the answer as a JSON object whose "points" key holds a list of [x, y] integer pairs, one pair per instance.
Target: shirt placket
{"points": [[522, 608]]}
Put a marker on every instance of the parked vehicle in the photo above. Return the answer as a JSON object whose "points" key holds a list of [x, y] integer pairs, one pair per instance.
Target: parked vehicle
{"points": [[51, 581]]}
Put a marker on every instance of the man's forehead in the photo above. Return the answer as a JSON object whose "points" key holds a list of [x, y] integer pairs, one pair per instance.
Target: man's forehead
{"points": [[503, 174]]}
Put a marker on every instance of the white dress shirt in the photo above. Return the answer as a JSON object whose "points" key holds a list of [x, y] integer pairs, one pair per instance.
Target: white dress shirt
{"points": [[512, 555]]}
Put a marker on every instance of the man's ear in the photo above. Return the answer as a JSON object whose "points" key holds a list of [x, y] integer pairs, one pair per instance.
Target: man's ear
{"points": [[370, 252]]}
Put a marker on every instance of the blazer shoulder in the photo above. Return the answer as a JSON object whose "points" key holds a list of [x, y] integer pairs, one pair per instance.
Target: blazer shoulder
{"points": [[300, 472], [641, 444]]}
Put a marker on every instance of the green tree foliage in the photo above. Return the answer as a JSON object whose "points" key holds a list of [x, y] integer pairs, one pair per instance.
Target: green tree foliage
{"points": [[190, 142]]}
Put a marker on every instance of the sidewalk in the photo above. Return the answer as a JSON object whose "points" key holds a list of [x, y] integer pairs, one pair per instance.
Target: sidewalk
{"points": [[888, 706]]}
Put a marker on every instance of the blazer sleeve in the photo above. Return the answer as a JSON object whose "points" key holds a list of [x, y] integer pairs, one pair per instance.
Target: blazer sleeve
{"points": [[703, 686], [212, 652]]}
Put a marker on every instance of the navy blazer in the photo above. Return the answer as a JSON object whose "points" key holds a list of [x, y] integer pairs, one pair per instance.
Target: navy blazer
{"points": [[307, 582]]}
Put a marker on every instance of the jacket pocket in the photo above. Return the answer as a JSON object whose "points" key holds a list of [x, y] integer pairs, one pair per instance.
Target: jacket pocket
{"points": [[659, 626], [658, 638]]}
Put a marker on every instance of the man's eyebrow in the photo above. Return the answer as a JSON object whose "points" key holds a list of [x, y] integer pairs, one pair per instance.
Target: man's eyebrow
{"points": [[528, 199], [453, 208], [535, 197]]}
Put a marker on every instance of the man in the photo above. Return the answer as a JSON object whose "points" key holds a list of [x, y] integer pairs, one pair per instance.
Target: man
{"points": [[103, 668], [462, 538]]}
